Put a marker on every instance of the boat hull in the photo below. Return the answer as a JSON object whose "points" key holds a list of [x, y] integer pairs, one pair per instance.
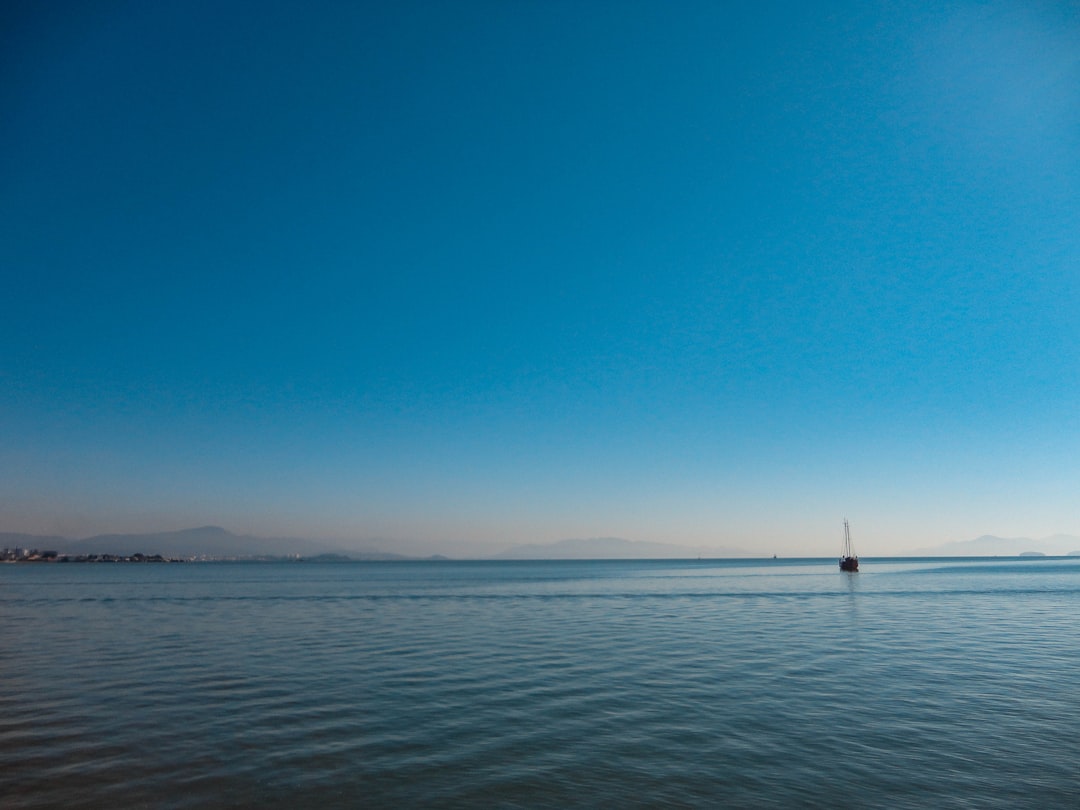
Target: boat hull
{"points": [[849, 563]]}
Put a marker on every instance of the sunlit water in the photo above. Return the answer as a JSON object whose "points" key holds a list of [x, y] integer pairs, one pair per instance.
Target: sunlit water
{"points": [[926, 683]]}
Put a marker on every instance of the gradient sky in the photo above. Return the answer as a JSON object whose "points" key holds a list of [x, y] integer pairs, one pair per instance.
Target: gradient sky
{"points": [[446, 277]]}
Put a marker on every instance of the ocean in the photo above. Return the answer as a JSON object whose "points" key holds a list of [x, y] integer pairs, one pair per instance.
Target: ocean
{"points": [[915, 683]]}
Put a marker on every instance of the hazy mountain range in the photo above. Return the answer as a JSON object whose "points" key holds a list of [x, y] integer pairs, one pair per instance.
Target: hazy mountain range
{"points": [[614, 548], [206, 541], [216, 542], [991, 546]]}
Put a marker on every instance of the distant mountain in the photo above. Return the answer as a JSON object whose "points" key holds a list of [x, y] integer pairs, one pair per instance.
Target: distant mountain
{"points": [[991, 546], [614, 548], [210, 541], [205, 541]]}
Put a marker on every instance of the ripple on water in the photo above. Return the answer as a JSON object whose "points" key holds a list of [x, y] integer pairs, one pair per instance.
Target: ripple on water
{"points": [[524, 686]]}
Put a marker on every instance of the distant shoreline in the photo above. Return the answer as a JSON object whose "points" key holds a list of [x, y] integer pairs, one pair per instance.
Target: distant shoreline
{"points": [[35, 556]]}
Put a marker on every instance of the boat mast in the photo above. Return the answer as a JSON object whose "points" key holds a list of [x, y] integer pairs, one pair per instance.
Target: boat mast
{"points": [[847, 540], [848, 562]]}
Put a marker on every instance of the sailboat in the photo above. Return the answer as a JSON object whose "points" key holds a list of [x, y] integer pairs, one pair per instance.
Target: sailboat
{"points": [[848, 560]]}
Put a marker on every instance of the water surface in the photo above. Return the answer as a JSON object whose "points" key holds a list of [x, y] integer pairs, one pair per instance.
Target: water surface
{"points": [[769, 683]]}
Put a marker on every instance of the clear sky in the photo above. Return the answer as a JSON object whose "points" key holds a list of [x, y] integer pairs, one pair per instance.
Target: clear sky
{"points": [[451, 276]]}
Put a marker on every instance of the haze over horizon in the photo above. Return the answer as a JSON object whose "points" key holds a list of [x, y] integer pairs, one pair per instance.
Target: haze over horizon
{"points": [[467, 276]]}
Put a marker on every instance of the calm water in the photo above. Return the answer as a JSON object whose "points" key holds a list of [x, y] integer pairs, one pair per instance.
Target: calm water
{"points": [[925, 683]]}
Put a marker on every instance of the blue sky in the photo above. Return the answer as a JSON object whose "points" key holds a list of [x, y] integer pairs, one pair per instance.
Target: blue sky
{"points": [[454, 276]]}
